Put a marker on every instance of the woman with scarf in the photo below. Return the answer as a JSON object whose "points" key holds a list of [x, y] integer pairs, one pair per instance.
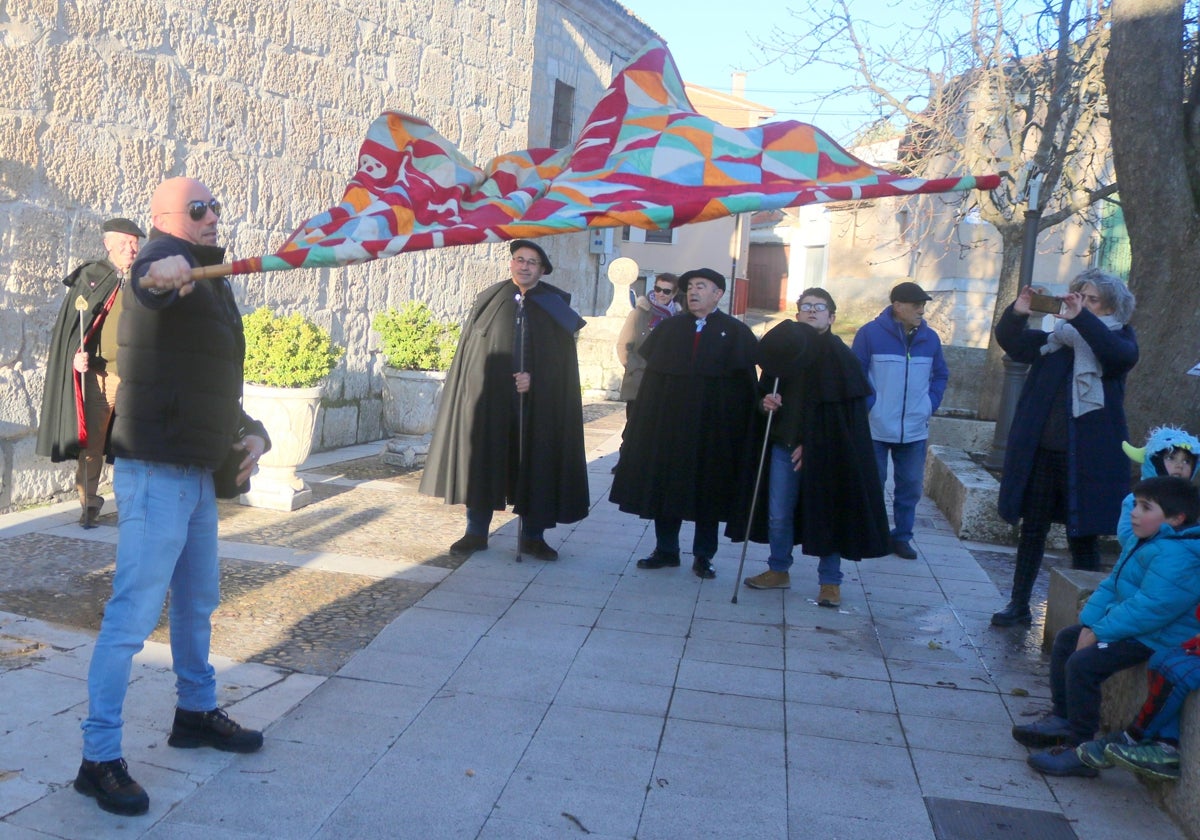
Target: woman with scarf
{"points": [[1064, 461], [647, 313]]}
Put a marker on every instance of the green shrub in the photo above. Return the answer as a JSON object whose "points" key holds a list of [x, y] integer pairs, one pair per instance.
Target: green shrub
{"points": [[287, 351], [413, 339]]}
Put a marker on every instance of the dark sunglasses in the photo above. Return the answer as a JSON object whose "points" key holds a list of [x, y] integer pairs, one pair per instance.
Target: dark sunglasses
{"points": [[198, 209], [663, 291]]}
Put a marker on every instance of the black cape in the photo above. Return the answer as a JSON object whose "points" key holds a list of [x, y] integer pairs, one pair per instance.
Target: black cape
{"points": [[473, 457], [58, 423], [688, 440], [840, 506]]}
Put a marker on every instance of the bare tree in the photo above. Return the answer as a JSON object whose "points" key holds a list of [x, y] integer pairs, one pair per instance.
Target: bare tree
{"points": [[979, 87], [1154, 89]]}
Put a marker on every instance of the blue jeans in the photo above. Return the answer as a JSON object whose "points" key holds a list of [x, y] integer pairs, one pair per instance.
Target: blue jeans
{"points": [[908, 468], [167, 539], [479, 524], [666, 537], [783, 488]]}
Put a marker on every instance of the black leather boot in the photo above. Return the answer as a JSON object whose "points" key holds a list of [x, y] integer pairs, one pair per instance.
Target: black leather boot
{"points": [[1015, 613]]}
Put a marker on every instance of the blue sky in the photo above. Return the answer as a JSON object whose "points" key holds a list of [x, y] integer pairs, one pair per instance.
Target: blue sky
{"points": [[709, 45], [710, 40]]}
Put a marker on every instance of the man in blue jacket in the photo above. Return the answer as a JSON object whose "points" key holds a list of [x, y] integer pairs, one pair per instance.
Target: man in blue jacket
{"points": [[903, 360]]}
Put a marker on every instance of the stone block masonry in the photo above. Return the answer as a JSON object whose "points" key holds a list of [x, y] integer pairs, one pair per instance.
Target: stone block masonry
{"points": [[267, 103]]}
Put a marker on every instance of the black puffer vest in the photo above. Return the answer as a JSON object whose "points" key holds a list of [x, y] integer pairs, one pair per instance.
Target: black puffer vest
{"points": [[181, 365]]}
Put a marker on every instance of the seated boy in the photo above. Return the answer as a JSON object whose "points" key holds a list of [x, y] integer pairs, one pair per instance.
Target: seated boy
{"points": [[1149, 746], [1147, 604]]}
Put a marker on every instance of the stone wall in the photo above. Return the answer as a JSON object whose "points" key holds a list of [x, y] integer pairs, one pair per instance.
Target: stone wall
{"points": [[267, 103]]}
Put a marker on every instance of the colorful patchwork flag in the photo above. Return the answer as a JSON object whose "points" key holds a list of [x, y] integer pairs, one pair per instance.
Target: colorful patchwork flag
{"points": [[644, 158]]}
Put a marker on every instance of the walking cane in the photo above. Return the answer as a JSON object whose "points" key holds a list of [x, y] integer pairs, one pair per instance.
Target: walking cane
{"points": [[520, 415], [762, 460]]}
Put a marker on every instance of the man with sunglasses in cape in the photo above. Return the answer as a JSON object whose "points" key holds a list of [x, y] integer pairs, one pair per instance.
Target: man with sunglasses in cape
{"points": [[515, 366], [179, 418]]}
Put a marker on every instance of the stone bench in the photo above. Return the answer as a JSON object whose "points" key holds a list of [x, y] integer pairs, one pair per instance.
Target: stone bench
{"points": [[1124, 694]]}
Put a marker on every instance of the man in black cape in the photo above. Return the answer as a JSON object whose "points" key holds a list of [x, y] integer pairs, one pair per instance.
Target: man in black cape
{"points": [[515, 364], [689, 436], [81, 386], [822, 486]]}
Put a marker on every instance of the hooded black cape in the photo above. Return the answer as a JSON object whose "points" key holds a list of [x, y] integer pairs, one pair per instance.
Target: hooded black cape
{"points": [[58, 424], [688, 440], [840, 506], [473, 458]]}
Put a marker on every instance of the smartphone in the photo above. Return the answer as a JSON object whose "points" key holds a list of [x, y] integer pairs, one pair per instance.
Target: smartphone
{"points": [[1049, 304]]}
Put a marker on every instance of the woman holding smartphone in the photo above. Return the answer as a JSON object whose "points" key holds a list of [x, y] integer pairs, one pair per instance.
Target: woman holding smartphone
{"points": [[1064, 461]]}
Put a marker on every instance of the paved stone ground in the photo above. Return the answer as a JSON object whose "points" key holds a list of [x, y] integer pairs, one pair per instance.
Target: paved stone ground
{"points": [[275, 613]]}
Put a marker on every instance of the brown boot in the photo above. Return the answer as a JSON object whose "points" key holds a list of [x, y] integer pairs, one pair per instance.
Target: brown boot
{"points": [[830, 595], [769, 580]]}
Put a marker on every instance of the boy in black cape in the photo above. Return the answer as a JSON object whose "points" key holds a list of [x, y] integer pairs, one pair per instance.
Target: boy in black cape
{"points": [[822, 487], [689, 436]]}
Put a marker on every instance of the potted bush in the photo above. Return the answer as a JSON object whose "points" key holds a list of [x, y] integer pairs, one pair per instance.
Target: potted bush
{"points": [[418, 348], [288, 358]]}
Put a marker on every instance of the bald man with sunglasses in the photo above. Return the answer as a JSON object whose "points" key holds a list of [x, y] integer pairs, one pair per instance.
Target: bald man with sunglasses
{"points": [[179, 421]]}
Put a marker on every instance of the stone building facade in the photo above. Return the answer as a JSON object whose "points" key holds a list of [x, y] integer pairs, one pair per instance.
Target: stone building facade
{"points": [[267, 103]]}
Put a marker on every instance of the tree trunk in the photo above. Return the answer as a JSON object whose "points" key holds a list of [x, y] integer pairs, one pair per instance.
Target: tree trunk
{"points": [[1012, 239], [1151, 154]]}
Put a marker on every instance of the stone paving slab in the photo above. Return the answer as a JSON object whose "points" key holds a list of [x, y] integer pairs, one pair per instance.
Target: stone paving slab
{"points": [[550, 700]]}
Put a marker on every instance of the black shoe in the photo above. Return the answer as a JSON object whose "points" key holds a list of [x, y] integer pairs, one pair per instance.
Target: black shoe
{"points": [[702, 567], [111, 786], [88, 517], [537, 549], [212, 729], [1011, 615], [904, 550], [1047, 731], [659, 560], [468, 544]]}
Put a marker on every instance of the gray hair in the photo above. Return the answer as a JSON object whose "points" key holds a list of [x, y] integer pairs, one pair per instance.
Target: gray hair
{"points": [[1114, 294]]}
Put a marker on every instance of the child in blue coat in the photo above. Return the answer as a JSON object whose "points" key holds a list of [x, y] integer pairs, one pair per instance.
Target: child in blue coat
{"points": [[1147, 604], [1150, 745]]}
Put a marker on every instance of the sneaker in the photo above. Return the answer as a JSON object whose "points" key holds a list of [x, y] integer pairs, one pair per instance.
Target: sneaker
{"points": [[1150, 759], [769, 580], [659, 560], [1049, 731], [702, 567], [904, 550], [830, 595], [1092, 753], [212, 729], [1061, 761], [468, 544], [111, 786], [537, 549], [1013, 614]]}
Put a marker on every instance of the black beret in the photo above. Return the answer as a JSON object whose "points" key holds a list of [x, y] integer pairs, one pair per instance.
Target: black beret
{"points": [[121, 225], [518, 244], [715, 277]]}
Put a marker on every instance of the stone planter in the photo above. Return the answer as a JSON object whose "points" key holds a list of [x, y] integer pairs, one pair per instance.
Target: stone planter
{"points": [[410, 400], [410, 406], [290, 415]]}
